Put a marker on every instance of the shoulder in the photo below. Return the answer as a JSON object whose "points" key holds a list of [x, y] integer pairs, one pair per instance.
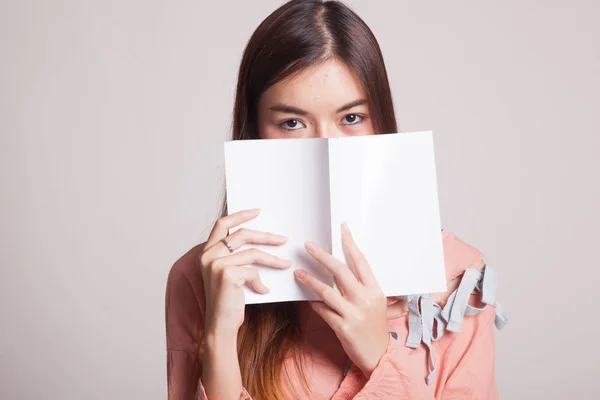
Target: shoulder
{"points": [[184, 301], [458, 256], [185, 269]]}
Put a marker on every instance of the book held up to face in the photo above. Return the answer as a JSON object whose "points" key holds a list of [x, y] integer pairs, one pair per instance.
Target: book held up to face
{"points": [[384, 187]]}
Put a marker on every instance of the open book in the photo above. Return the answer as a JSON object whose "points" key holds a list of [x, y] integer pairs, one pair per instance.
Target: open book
{"points": [[383, 187]]}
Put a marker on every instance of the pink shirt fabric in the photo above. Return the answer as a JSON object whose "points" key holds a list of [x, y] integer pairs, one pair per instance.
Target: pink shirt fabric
{"points": [[464, 361]]}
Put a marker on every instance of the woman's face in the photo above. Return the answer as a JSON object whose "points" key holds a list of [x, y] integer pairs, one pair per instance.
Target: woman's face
{"points": [[321, 102]]}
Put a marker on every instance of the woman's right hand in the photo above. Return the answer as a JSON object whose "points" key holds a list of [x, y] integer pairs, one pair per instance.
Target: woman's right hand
{"points": [[224, 273]]}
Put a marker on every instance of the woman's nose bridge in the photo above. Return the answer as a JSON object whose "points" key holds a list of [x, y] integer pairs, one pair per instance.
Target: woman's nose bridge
{"points": [[325, 130]]}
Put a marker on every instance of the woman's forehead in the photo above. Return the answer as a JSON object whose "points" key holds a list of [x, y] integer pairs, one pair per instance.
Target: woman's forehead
{"points": [[321, 88]]}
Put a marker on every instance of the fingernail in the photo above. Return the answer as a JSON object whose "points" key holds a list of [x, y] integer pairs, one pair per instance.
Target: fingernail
{"points": [[254, 210], [300, 273], [265, 289], [310, 246], [286, 263], [281, 238]]}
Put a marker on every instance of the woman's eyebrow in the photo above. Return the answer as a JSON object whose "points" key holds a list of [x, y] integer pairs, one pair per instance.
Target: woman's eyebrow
{"points": [[284, 108], [352, 104]]}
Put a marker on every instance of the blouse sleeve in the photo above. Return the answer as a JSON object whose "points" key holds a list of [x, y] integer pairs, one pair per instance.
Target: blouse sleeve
{"points": [[467, 366], [470, 362], [184, 320]]}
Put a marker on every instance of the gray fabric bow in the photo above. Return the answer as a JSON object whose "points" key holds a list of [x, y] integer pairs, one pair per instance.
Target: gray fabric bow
{"points": [[428, 321]]}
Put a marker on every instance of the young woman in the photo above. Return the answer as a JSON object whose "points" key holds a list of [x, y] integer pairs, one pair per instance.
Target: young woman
{"points": [[314, 69]]}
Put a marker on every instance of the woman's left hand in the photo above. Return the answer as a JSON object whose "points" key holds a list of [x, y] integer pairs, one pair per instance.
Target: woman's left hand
{"points": [[357, 315]]}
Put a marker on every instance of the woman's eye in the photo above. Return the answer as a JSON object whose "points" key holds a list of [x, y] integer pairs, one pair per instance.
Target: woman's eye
{"points": [[292, 125], [351, 119]]}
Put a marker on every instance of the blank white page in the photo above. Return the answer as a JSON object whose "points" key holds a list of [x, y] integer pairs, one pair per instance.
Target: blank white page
{"points": [[385, 188], [288, 180]]}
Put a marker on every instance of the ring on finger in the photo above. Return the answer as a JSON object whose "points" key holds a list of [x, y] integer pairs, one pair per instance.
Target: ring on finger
{"points": [[227, 244]]}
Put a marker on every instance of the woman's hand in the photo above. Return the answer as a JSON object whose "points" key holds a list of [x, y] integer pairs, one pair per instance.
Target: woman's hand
{"points": [[224, 273], [224, 276], [357, 315]]}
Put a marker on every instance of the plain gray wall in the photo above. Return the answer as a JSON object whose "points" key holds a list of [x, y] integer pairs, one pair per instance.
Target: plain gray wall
{"points": [[112, 119]]}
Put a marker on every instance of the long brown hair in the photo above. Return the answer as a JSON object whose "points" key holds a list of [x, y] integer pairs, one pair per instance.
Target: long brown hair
{"points": [[296, 36]]}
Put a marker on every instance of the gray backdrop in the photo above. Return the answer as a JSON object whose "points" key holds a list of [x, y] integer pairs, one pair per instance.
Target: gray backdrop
{"points": [[112, 118]]}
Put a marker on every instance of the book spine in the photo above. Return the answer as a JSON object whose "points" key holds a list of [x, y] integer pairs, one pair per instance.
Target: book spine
{"points": [[335, 200]]}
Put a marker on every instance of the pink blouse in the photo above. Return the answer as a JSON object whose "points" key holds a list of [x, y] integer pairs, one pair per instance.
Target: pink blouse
{"points": [[442, 347]]}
